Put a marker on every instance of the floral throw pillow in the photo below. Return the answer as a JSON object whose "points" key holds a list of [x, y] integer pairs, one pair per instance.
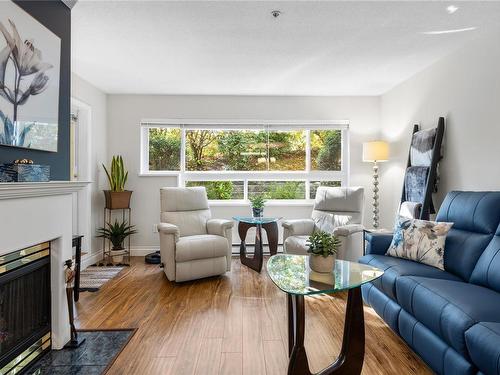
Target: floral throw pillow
{"points": [[420, 240]]}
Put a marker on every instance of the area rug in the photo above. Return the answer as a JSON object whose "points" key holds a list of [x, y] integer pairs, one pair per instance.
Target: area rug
{"points": [[93, 277], [94, 357]]}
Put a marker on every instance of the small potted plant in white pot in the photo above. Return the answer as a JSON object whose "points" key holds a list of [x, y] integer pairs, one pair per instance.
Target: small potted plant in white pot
{"points": [[258, 201], [116, 233], [322, 247]]}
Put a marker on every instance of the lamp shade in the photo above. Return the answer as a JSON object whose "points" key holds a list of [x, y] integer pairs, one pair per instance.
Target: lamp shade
{"points": [[375, 151]]}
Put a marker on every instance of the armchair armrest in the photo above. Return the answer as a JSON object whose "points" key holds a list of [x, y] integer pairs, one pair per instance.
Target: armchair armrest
{"points": [[166, 228], [347, 230], [377, 243], [219, 226], [298, 227]]}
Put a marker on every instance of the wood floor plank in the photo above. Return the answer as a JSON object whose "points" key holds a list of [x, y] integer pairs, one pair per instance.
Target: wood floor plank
{"points": [[209, 358], [276, 357], [233, 324], [231, 364]]}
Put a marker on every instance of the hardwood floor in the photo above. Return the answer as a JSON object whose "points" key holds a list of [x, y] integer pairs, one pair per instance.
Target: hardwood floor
{"points": [[234, 324]]}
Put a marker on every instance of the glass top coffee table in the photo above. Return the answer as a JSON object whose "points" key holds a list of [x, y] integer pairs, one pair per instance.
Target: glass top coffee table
{"points": [[270, 225], [291, 273]]}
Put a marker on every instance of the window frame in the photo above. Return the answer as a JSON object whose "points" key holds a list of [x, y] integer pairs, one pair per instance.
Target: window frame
{"points": [[306, 175]]}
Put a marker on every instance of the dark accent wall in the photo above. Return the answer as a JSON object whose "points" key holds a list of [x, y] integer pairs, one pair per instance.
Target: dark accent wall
{"points": [[56, 17]]}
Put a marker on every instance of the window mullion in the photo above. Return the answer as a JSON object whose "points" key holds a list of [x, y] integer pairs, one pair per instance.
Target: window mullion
{"points": [[183, 156]]}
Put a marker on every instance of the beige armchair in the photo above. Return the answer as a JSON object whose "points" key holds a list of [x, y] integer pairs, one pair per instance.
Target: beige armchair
{"points": [[192, 244], [336, 210]]}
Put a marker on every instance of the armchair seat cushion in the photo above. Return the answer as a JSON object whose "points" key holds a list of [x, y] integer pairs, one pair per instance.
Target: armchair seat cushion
{"points": [[483, 343], [200, 246], [448, 308], [397, 267], [296, 245]]}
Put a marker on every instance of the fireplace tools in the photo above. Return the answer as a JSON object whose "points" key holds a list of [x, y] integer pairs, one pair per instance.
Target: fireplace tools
{"points": [[69, 274]]}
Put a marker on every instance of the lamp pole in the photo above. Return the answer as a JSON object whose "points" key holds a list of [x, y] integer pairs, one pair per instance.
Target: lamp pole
{"points": [[375, 195]]}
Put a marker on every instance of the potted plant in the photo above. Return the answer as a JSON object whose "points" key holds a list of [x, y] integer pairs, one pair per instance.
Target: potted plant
{"points": [[323, 247], [116, 233], [117, 197], [258, 201]]}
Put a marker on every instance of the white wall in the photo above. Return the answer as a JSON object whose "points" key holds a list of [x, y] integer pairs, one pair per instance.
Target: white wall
{"points": [[126, 111], [465, 88], [97, 101]]}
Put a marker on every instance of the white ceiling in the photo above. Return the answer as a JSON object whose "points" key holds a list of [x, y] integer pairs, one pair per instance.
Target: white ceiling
{"points": [[238, 48]]}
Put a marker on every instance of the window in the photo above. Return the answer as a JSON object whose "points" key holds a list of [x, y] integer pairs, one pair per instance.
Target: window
{"points": [[283, 161]]}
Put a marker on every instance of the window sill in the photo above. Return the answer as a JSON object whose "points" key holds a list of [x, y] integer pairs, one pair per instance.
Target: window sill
{"points": [[159, 174], [275, 203]]}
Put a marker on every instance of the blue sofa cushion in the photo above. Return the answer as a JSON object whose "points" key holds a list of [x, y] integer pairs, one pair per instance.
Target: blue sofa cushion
{"points": [[435, 352], [476, 216], [448, 308], [483, 343], [487, 271], [396, 267], [377, 243]]}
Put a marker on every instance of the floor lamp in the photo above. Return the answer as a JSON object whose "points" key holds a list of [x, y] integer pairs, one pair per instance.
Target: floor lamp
{"points": [[375, 152]]}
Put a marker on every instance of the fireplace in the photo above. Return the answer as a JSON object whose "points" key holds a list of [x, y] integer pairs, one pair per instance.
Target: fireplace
{"points": [[25, 307]]}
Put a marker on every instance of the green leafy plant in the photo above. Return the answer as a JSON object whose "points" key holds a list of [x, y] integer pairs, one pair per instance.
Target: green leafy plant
{"points": [[116, 233], [258, 201], [118, 175], [323, 243]]}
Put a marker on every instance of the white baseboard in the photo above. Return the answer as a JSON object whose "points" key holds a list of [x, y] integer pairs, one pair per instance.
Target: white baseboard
{"points": [[91, 259], [140, 251]]}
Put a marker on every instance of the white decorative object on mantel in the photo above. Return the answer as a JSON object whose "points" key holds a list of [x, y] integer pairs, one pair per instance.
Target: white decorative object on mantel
{"points": [[34, 213], [374, 152]]}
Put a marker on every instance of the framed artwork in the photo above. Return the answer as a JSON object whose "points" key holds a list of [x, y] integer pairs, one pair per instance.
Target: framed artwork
{"points": [[30, 57]]}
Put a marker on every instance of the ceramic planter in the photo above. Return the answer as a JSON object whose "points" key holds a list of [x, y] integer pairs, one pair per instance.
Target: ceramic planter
{"points": [[257, 212], [117, 199], [319, 263]]}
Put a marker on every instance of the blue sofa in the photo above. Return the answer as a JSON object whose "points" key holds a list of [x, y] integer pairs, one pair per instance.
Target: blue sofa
{"points": [[450, 318]]}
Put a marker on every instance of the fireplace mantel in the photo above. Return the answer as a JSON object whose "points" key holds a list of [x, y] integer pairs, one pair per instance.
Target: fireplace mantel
{"points": [[36, 212], [12, 190]]}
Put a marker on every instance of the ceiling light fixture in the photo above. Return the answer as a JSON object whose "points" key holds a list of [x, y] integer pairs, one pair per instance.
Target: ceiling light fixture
{"points": [[453, 31], [451, 9], [276, 13]]}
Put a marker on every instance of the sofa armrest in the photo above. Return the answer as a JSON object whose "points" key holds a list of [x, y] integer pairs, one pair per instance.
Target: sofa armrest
{"points": [[347, 230], [223, 228], [166, 228], [377, 243], [298, 227], [169, 235], [219, 226]]}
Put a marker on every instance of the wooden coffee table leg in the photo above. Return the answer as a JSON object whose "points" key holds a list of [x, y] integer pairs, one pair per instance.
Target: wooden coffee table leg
{"points": [[255, 262], [272, 236], [350, 360]]}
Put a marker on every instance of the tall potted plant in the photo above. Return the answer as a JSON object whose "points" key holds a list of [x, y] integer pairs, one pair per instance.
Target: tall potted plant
{"points": [[322, 247], [117, 197], [116, 233]]}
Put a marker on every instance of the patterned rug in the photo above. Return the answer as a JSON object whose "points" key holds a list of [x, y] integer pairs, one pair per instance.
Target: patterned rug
{"points": [[93, 277]]}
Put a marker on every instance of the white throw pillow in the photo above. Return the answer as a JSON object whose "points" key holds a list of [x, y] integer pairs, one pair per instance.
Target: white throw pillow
{"points": [[420, 240]]}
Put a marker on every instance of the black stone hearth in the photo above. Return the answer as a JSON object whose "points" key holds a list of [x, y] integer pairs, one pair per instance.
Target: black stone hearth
{"points": [[93, 357]]}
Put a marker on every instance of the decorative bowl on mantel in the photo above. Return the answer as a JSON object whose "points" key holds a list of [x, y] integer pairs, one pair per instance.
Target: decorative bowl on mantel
{"points": [[16, 172]]}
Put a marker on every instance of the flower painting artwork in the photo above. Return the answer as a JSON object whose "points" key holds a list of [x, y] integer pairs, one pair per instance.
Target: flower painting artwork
{"points": [[29, 81]]}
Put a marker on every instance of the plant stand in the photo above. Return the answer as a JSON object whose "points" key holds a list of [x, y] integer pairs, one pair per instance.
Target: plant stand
{"points": [[106, 244]]}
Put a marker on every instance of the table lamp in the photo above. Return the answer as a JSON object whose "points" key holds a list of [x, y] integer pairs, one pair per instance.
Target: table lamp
{"points": [[374, 152]]}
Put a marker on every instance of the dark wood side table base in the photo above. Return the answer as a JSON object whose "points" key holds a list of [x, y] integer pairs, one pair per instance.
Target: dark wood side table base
{"points": [[255, 262], [350, 360]]}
